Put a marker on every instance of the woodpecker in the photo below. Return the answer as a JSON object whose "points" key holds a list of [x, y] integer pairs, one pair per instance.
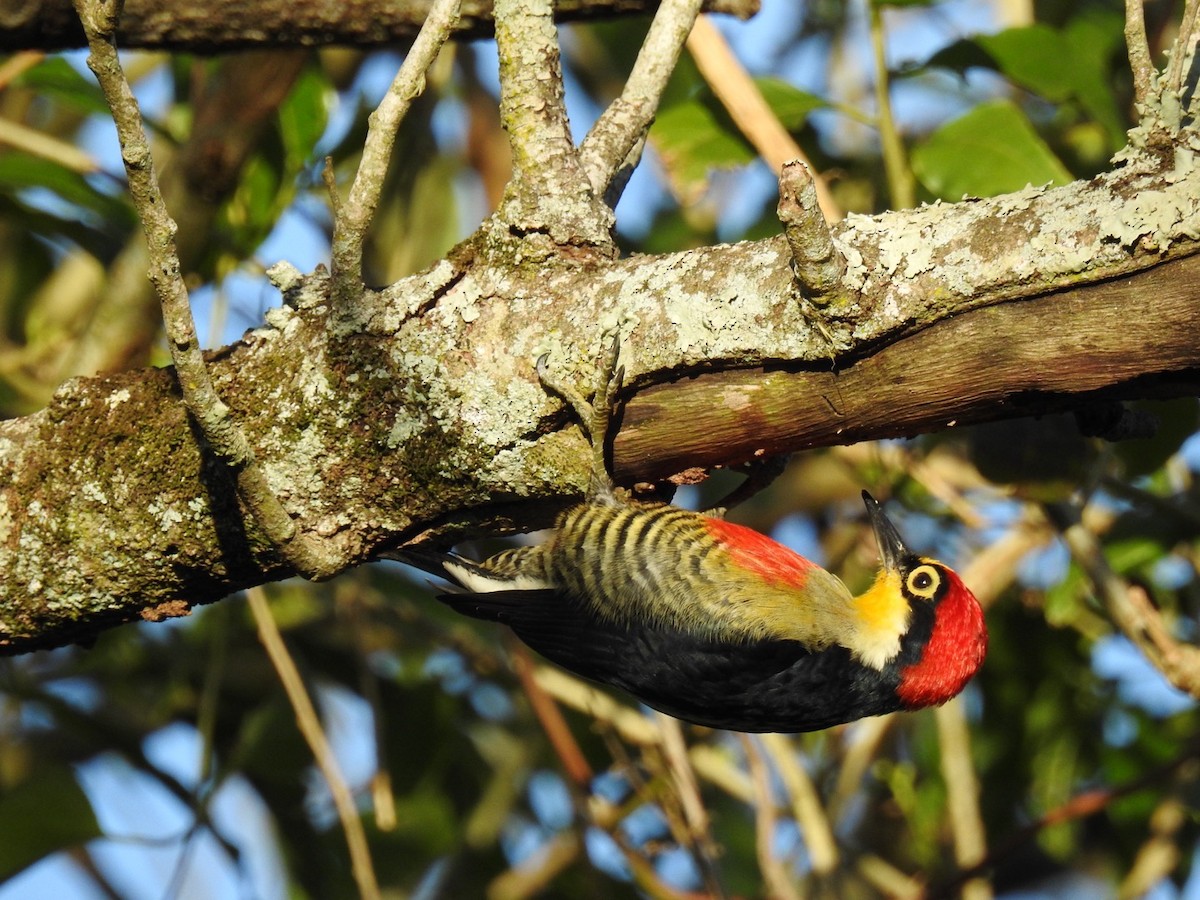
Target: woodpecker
{"points": [[715, 623]]}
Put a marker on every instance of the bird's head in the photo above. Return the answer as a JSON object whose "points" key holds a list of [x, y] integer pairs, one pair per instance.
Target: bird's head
{"points": [[919, 618]]}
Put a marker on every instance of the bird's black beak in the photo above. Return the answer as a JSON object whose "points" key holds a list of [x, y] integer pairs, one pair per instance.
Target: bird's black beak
{"points": [[891, 547]]}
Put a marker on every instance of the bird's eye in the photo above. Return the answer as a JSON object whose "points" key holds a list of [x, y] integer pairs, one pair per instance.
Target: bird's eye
{"points": [[923, 582]]}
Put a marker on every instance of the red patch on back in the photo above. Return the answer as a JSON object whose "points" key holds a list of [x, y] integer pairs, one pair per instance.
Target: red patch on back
{"points": [[954, 653], [758, 554]]}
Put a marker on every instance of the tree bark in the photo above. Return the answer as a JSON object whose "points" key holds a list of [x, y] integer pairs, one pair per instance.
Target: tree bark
{"points": [[417, 411]]}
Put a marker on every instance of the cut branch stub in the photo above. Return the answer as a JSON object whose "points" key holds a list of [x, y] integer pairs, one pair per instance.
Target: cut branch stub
{"points": [[817, 263]]}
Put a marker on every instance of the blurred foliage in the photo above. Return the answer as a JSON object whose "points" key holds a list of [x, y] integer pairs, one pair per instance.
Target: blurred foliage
{"points": [[1086, 761]]}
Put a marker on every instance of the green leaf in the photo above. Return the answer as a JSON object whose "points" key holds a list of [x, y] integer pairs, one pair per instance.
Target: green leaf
{"points": [[45, 814], [57, 78], [303, 117], [19, 171], [988, 151], [1094, 38], [790, 104], [1035, 57], [1071, 63], [692, 140]]}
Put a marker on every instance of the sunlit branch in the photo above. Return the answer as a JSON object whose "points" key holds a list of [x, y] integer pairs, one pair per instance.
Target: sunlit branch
{"points": [[353, 216], [310, 727], [614, 142]]}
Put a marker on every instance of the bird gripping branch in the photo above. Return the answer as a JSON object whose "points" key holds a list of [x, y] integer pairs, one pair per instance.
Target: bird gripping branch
{"points": [[713, 622]]}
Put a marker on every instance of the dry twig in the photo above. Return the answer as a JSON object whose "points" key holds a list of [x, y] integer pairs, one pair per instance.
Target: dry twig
{"points": [[309, 724]]}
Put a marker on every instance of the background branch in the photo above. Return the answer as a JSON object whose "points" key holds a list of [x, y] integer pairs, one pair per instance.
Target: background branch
{"points": [[223, 26]]}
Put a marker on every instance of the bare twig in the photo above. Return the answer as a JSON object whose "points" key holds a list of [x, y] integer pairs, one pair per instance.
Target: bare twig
{"points": [[806, 805], [696, 814], [533, 877], [17, 63], [1132, 611], [566, 748], [1138, 48], [616, 139], [1185, 47], [740, 96], [309, 724], [570, 755], [1084, 804], [354, 217], [349, 601], [311, 558], [962, 794], [1160, 853], [38, 143], [887, 880], [591, 701], [1180, 662], [869, 735], [779, 881], [895, 159], [549, 196]]}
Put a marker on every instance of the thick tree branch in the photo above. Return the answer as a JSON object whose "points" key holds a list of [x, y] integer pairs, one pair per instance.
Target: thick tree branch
{"points": [[421, 410], [221, 26]]}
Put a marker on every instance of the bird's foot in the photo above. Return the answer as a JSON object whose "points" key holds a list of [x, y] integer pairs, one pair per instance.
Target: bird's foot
{"points": [[595, 415]]}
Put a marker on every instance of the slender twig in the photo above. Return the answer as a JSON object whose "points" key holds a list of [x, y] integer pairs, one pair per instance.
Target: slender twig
{"points": [[348, 599], [1131, 610], [694, 811], [309, 557], [534, 877], [579, 772], [962, 794], [38, 143], [1138, 48], [616, 139], [17, 63], [806, 805], [895, 159], [309, 724], [859, 756], [1084, 804], [566, 748], [779, 881], [1184, 49], [733, 86], [355, 214], [1160, 853], [629, 723]]}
